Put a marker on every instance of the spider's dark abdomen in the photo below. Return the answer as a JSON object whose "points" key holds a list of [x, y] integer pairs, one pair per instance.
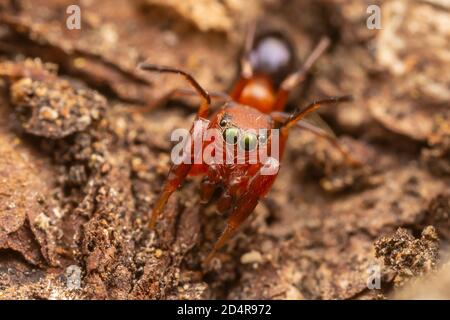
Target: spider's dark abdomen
{"points": [[273, 55]]}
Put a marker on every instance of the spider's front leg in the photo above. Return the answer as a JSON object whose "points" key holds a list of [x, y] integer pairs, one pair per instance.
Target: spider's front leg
{"points": [[181, 169], [192, 154], [175, 178], [258, 186]]}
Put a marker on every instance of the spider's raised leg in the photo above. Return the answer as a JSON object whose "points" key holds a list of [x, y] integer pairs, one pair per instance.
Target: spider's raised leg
{"points": [[294, 79], [320, 132], [246, 66], [178, 172]]}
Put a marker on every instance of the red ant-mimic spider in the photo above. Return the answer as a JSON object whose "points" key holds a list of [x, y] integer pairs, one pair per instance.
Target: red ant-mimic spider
{"points": [[257, 101]]}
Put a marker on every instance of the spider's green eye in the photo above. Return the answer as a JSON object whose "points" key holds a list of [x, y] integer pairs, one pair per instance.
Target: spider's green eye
{"points": [[248, 141], [223, 123], [231, 135]]}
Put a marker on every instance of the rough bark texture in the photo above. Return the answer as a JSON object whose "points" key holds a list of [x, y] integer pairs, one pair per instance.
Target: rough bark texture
{"points": [[80, 169]]}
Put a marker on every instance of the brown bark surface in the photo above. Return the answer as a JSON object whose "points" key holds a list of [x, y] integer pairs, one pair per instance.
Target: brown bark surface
{"points": [[80, 169]]}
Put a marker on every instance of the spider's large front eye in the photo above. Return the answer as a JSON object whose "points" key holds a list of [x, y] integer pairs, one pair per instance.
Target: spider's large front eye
{"points": [[231, 135], [223, 123], [248, 141]]}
